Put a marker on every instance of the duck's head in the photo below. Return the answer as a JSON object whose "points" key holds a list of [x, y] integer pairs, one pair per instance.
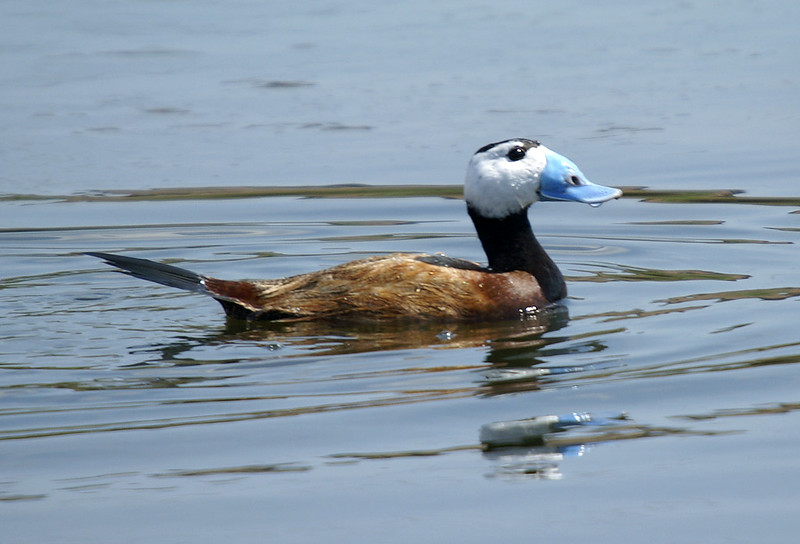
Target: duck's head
{"points": [[506, 177]]}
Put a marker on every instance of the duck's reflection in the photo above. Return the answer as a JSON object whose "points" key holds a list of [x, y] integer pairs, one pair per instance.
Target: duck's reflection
{"points": [[509, 343], [512, 362]]}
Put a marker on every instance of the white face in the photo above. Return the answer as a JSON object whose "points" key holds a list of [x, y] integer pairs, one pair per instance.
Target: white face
{"points": [[499, 183], [507, 177]]}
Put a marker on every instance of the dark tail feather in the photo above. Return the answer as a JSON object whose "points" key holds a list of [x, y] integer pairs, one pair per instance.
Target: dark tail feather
{"points": [[171, 276]]}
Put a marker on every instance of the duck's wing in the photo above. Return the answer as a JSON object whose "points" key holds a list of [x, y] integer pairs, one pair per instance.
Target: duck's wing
{"points": [[400, 286]]}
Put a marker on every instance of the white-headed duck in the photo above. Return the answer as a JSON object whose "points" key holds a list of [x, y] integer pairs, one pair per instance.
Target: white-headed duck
{"points": [[503, 180]]}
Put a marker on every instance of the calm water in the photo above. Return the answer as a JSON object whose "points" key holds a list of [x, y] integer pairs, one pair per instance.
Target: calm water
{"points": [[136, 407], [132, 412]]}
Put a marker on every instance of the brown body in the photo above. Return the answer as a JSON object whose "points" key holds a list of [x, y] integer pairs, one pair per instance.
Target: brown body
{"points": [[397, 286]]}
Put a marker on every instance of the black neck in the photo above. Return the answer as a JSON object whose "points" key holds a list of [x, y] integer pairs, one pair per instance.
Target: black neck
{"points": [[510, 245]]}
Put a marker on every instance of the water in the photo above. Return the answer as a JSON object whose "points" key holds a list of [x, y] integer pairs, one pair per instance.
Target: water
{"points": [[124, 401], [130, 95], [130, 411]]}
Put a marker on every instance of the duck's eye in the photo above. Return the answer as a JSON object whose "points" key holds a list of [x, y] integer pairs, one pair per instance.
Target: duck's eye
{"points": [[516, 153], [574, 180]]}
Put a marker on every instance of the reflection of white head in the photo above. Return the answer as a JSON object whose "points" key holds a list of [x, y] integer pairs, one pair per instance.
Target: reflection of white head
{"points": [[506, 177]]}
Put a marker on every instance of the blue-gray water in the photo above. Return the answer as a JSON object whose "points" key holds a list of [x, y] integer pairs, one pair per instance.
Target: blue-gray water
{"points": [[132, 412]]}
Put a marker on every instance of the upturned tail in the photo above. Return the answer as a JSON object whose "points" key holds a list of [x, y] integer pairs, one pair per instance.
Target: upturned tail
{"points": [[165, 274], [239, 299]]}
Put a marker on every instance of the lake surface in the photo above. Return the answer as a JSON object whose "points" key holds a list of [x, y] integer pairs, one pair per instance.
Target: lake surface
{"points": [[133, 412]]}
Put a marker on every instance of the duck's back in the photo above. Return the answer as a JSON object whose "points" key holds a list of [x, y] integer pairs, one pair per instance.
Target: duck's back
{"points": [[396, 286]]}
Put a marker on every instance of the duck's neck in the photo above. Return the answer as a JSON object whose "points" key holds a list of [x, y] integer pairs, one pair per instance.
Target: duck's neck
{"points": [[510, 245]]}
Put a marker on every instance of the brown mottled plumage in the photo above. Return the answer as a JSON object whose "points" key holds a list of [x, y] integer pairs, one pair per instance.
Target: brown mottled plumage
{"points": [[395, 286]]}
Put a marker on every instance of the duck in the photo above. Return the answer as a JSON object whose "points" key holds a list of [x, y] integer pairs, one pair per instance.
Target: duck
{"points": [[504, 179]]}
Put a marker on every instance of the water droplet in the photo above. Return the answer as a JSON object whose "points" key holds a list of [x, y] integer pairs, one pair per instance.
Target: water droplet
{"points": [[595, 204]]}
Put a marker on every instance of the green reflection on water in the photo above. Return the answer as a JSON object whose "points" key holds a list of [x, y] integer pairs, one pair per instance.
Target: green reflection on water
{"points": [[727, 196]]}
